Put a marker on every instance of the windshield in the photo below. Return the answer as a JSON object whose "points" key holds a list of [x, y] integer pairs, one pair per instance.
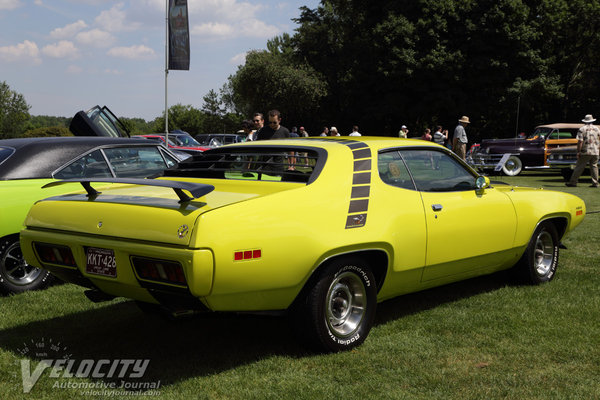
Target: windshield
{"points": [[204, 139], [540, 133], [188, 141]]}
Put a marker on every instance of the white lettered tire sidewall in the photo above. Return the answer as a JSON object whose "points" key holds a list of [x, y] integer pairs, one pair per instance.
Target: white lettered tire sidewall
{"points": [[346, 300]]}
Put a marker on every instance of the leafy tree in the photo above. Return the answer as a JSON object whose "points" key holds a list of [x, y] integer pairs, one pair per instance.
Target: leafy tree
{"points": [[187, 118], [14, 112], [137, 126], [273, 79], [425, 62], [48, 131]]}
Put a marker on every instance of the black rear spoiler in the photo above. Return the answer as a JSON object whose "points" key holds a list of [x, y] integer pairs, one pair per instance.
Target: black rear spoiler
{"points": [[195, 189]]}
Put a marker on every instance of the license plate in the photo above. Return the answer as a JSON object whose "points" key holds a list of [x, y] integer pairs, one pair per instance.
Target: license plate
{"points": [[101, 262]]}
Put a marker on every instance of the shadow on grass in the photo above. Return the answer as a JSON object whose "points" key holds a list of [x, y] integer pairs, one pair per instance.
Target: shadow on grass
{"points": [[413, 303], [204, 344]]}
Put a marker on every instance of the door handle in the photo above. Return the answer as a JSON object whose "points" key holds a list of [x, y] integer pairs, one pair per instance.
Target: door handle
{"points": [[436, 207]]}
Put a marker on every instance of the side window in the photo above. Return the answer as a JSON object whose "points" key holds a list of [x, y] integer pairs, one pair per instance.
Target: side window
{"points": [[393, 171], [436, 171], [91, 165], [135, 162]]}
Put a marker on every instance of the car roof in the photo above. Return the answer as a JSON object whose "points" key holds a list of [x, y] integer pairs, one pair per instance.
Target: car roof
{"points": [[36, 158], [562, 125]]}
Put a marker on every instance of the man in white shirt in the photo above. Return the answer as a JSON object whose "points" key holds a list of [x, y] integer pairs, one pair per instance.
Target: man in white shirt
{"points": [[355, 131]]}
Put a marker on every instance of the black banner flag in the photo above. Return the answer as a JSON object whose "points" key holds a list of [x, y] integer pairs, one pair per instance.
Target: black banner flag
{"points": [[179, 35]]}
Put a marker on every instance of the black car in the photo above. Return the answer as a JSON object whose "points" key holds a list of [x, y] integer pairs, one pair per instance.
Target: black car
{"points": [[511, 156], [27, 164]]}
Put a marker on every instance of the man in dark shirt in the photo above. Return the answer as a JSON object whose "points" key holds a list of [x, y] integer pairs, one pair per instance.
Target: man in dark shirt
{"points": [[273, 130]]}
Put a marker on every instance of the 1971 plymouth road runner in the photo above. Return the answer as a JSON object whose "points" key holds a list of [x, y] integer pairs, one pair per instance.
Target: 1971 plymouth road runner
{"points": [[529, 152], [325, 236]]}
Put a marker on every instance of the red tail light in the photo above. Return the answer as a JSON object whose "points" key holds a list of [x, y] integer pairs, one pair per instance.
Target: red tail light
{"points": [[159, 270], [54, 254]]}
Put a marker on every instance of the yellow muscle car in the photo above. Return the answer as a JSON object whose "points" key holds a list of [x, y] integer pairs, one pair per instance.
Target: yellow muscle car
{"points": [[321, 228]]}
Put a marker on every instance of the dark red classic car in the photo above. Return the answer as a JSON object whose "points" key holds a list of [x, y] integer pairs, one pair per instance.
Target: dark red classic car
{"points": [[511, 156]]}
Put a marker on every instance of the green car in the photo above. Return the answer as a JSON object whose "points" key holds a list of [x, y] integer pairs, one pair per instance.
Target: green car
{"points": [[27, 164]]}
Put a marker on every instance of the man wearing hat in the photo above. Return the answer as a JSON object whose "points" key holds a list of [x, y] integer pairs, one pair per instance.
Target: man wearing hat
{"points": [[588, 147], [459, 141], [403, 132]]}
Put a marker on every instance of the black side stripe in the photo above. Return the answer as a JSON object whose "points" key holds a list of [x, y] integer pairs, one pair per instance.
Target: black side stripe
{"points": [[361, 184], [361, 180]]}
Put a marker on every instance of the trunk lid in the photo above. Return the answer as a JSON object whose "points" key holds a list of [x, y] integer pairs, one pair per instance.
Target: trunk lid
{"points": [[138, 212]]}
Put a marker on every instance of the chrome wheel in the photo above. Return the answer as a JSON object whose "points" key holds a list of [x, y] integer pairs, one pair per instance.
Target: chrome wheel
{"points": [[512, 166], [346, 304], [543, 253], [15, 269]]}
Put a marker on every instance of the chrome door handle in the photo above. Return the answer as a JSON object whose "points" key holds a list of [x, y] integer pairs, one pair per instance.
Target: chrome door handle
{"points": [[436, 207]]}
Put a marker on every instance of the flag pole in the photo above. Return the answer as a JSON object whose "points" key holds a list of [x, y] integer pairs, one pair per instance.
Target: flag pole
{"points": [[166, 72]]}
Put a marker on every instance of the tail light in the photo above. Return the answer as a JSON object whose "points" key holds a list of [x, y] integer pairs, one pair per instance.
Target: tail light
{"points": [[164, 271], [54, 254]]}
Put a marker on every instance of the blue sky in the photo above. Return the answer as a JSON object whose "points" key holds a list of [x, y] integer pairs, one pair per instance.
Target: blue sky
{"points": [[69, 55]]}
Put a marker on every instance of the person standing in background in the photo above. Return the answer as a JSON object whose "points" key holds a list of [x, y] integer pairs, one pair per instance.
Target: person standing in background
{"points": [[355, 131], [459, 141], [588, 149]]}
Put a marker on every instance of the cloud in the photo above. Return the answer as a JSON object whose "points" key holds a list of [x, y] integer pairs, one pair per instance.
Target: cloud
{"points": [[9, 4], [115, 20], [62, 49], [238, 59], [74, 69], [95, 38], [68, 31], [27, 51], [229, 19], [139, 52], [214, 29]]}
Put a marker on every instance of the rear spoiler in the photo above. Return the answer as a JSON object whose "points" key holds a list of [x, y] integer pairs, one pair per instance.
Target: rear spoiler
{"points": [[195, 189]]}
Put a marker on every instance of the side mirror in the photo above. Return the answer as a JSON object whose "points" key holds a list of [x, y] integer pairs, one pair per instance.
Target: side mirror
{"points": [[482, 182]]}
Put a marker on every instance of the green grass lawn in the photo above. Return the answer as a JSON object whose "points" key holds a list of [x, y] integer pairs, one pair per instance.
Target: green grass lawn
{"points": [[479, 339]]}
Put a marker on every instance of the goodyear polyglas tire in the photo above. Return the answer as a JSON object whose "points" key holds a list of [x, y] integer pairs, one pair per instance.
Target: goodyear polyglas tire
{"points": [[337, 311]]}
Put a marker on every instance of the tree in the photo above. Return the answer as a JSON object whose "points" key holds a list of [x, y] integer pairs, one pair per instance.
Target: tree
{"points": [[14, 112], [272, 80], [186, 118], [48, 131], [426, 62]]}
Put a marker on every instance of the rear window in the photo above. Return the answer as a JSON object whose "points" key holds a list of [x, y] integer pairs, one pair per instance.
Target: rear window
{"points": [[5, 152], [252, 163]]}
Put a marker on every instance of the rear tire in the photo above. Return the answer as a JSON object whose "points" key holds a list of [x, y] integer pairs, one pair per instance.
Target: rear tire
{"points": [[538, 263], [16, 275], [337, 311]]}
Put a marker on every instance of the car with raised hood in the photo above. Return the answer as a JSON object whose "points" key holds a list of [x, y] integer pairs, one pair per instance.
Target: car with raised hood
{"points": [[324, 237], [26, 164], [514, 155]]}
